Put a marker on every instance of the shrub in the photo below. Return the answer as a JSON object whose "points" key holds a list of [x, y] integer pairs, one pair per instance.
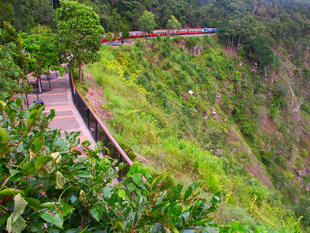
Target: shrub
{"points": [[306, 73], [191, 42], [305, 107], [303, 153], [109, 36], [125, 32], [54, 184], [266, 157]]}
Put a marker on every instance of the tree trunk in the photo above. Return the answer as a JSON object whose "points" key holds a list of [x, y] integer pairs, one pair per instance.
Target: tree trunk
{"points": [[39, 83], [232, 46], [80, 72], [228, 43], [239, 39]]}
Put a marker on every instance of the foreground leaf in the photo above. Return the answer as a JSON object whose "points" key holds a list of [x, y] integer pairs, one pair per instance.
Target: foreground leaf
{"points": [[60, 181], [15, 222], [55, 219]]}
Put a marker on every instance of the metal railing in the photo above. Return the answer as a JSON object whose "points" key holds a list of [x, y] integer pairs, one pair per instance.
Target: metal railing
{"points": [[96, 127]]}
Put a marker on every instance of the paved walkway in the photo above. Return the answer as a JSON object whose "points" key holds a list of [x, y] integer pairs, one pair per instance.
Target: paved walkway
{"points": [[59, 98]]}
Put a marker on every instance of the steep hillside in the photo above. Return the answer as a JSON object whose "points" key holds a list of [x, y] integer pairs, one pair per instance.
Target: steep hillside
{"points": [[184, 106]]}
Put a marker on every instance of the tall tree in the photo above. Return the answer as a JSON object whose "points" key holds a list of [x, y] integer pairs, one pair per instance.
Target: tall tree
{"points": [[78, 33], [173, 23], [6, 12], [125, 32], [147, 22], [13, 63], [41, 46], [109, 36]]}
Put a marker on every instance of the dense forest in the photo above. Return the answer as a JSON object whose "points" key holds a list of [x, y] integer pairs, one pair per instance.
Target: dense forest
{"points": [[232, 110], [251, 27]]}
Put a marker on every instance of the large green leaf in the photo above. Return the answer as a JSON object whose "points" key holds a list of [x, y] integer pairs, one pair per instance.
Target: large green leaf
{"points": [[175, 210], [131, 187], [15, 222], [121, 193], [38, 142], [41, 161], [4, 138], [154, 183], [137, 178], [10, 191], [83, 174], [96, 212], [34, 203], [28, 168], [53, 218], [176, 192], [189, 191]]}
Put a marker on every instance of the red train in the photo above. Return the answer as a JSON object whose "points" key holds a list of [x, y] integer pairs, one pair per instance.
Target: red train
{"points": [[165, 32]]}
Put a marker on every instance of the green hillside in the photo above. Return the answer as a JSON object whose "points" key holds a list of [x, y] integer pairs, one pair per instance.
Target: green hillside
{"points": [[231, 110], [183, 105]]}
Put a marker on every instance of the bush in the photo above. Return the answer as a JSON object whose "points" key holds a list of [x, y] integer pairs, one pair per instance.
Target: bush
{"points": [[109, 36], [61, 185], [125, 32], [191, 42], [303, 153], [266, 157], [306, 73], [305, 107]]}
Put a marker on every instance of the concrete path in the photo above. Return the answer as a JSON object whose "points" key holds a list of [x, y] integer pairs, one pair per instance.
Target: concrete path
{"points": [[59, 98]]}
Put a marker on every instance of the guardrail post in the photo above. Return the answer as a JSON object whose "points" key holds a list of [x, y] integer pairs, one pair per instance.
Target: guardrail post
{"points": [[96, 131], [49, 82], [106, 144], [119, 172], [27, 101], [87, 112]]}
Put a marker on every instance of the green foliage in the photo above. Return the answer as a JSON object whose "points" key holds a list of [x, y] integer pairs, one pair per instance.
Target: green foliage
{"points": [[261, 53], [266, 157], [9, 72], [125, 32], [13, 63], [302, 210], [109, 36], [173, 23], [303, 152], [6, 12], [57, 184], [246, 124], [78, 33], [306, 107], [40, 44], [116, 32], [183, 113], [147, 22]]}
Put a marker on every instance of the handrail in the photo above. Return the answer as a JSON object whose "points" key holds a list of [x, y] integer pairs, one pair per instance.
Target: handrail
{"points": [[106, 131]]}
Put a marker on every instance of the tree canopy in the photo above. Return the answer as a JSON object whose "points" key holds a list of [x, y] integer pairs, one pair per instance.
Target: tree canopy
{"points": [[147, 22], [79, 33], [40, 44], [173, 23], [13, 63], [125, 32]]}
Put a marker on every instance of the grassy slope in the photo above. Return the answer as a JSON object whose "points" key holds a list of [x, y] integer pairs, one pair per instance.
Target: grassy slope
{"points": [[216, 134]]}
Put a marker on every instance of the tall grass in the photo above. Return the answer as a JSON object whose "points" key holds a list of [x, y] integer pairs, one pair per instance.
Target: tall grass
{"points": [[146, 88]]}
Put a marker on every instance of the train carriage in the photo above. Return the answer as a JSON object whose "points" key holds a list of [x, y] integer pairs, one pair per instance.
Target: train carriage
{"points": [[165, 32]]}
